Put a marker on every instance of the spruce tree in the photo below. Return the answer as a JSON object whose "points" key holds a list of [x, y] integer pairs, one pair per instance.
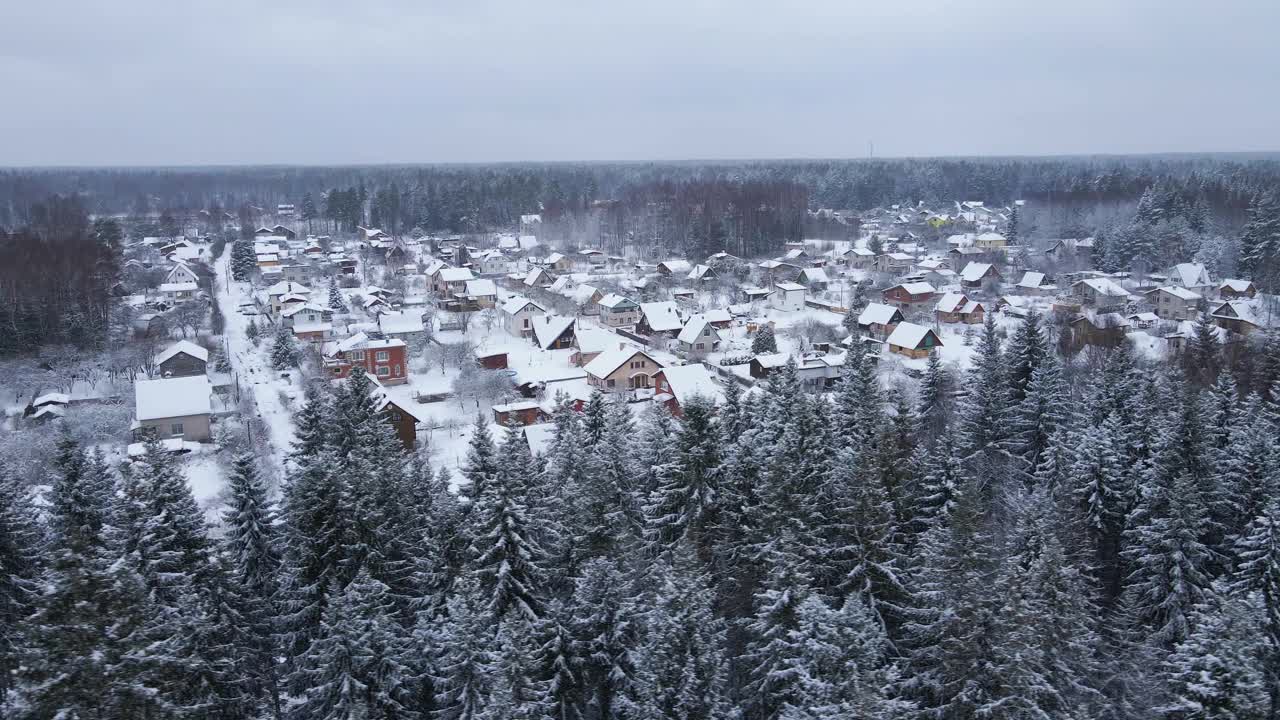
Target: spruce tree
{"points": [[284, 351], [772, 682], [1260, 241], [686, 503], [1257, 576], [764, 342], [934, 406], [607, 637], [983, 414], [253, 554], [22, 546], [463, 642], [1027, 349], [337, 302]]}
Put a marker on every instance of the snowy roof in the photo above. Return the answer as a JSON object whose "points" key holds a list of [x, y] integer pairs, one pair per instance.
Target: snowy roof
{"points": [[698, 272], [676, 266], [531, 278], [539, 436], [877, 314], [757, 292], [991, 237], [296, 308], [974, 271], [918, 288], [1031, 280], [53, 397], [613, 300], [951, 302], [686, 381], [288, 287], [692, 329], [547, 328], [606, 362], [661, 316], [1247, 310], [1103, 286], [1179, 292], [772, 360], [517, 303], [172, 397], [595, 340], [815, 275], [717, 315], [1235, 285], [183, 346], [398, 322], [456, 274], [178, 287], [528, 242], [555, 257], [788, 286], [517, 406], [1190, 274], [909, 335], [480, 288]]}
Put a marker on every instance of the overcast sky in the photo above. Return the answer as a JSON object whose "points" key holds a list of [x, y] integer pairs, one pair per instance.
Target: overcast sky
{"points": [[142, 82]]}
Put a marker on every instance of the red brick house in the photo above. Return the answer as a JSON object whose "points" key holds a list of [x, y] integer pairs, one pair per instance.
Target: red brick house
{"points": [[387, 360]]}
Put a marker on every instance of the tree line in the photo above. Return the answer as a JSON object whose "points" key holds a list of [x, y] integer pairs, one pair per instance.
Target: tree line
{"points": [[1023, 540]]}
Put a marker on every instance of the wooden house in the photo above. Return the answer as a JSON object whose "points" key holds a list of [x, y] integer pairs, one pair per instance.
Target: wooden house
{"points": [[913, 341]]}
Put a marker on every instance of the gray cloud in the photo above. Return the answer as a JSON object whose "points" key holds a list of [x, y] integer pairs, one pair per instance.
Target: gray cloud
{"points": [[151, 82]]}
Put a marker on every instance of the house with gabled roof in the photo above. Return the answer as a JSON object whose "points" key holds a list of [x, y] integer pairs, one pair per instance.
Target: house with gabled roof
{"points": [[553, 332], [698, 337], [674, 268], [910, 296], [1234, 289], [701, 273], [621, 369], [517, 315], [1242, 316], [958, 308], [182, 359], [676, 385], [539, 278], [660, 318], [618, 311], [179, 407], [878, 320], [1192, 276], [913, 341], [976, 274], [1172, 302], [1100, 292]]}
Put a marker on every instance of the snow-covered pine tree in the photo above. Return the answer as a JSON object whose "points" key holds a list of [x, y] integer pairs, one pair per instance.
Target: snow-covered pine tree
{"points": [[1103, 497], [1257, 573], [682, 670], [505, 555], [482, 460], [934, 406], [593, 417], [841, 666], [284, 350], [559, 664], [22, 546], [1200, 360], [685, 504], [1260, 241], [771, 682], [606, 630], [337, 302], [463, 642], [983, 416], [764, 341], [91, 612], [1046, 408], [1027, 348], [1218, 670], [356, 666], [518, 692], [253, 556]]}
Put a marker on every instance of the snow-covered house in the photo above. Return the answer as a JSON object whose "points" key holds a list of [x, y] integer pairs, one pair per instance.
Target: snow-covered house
{"points": [[1234, 289], [813, 278], [182, 359], [787, 296], [878, 320], [1100, 292], [553, 332], [517, 315], [976, 274], [958, 308], [910, 296], [407, 326], [674, 268], [538, 278], [1172, 302], [385, 359], [698, 337], [914, 341], [660, 318], [622, 368], [178, 407], [1192, 276], [618, 311], [701, 273], [678, 384]]}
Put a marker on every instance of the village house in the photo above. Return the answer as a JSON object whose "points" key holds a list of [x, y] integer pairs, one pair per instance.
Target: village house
{"points": [[701, 273], [1232, 289], [958, 308], [539, 278], [878, 320], [1064, 248], [558, 262], [620, 369], [976, 274], [1101, 293], [1192, 276], [447, 282], [910, 296], [815, 279], [553, 332], [618, 311], [517, 316], [914, 341], [787, 296], [179, 407], [480, 294], [989, 241], [407, 326], [284, 292], [1241, 316], [659, 318], [675, 386], [491, 358], [1033, 283], [698, 337], [182, 359], [774, 271], [895, 263], [586, 297], [589, 343], [181, 273], [1174, 303], [1106, 329], [384, 359], [674, 268], [521, 413], [48, 407]]}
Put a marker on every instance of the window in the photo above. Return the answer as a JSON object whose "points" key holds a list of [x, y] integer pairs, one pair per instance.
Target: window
{"points": [[397, 372], [175, 429], [698, 346], [610, 382], [337, 371], [526, 322], [395, 416], [706, 332], [382, 356], [384, 371], [357, 355]]}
